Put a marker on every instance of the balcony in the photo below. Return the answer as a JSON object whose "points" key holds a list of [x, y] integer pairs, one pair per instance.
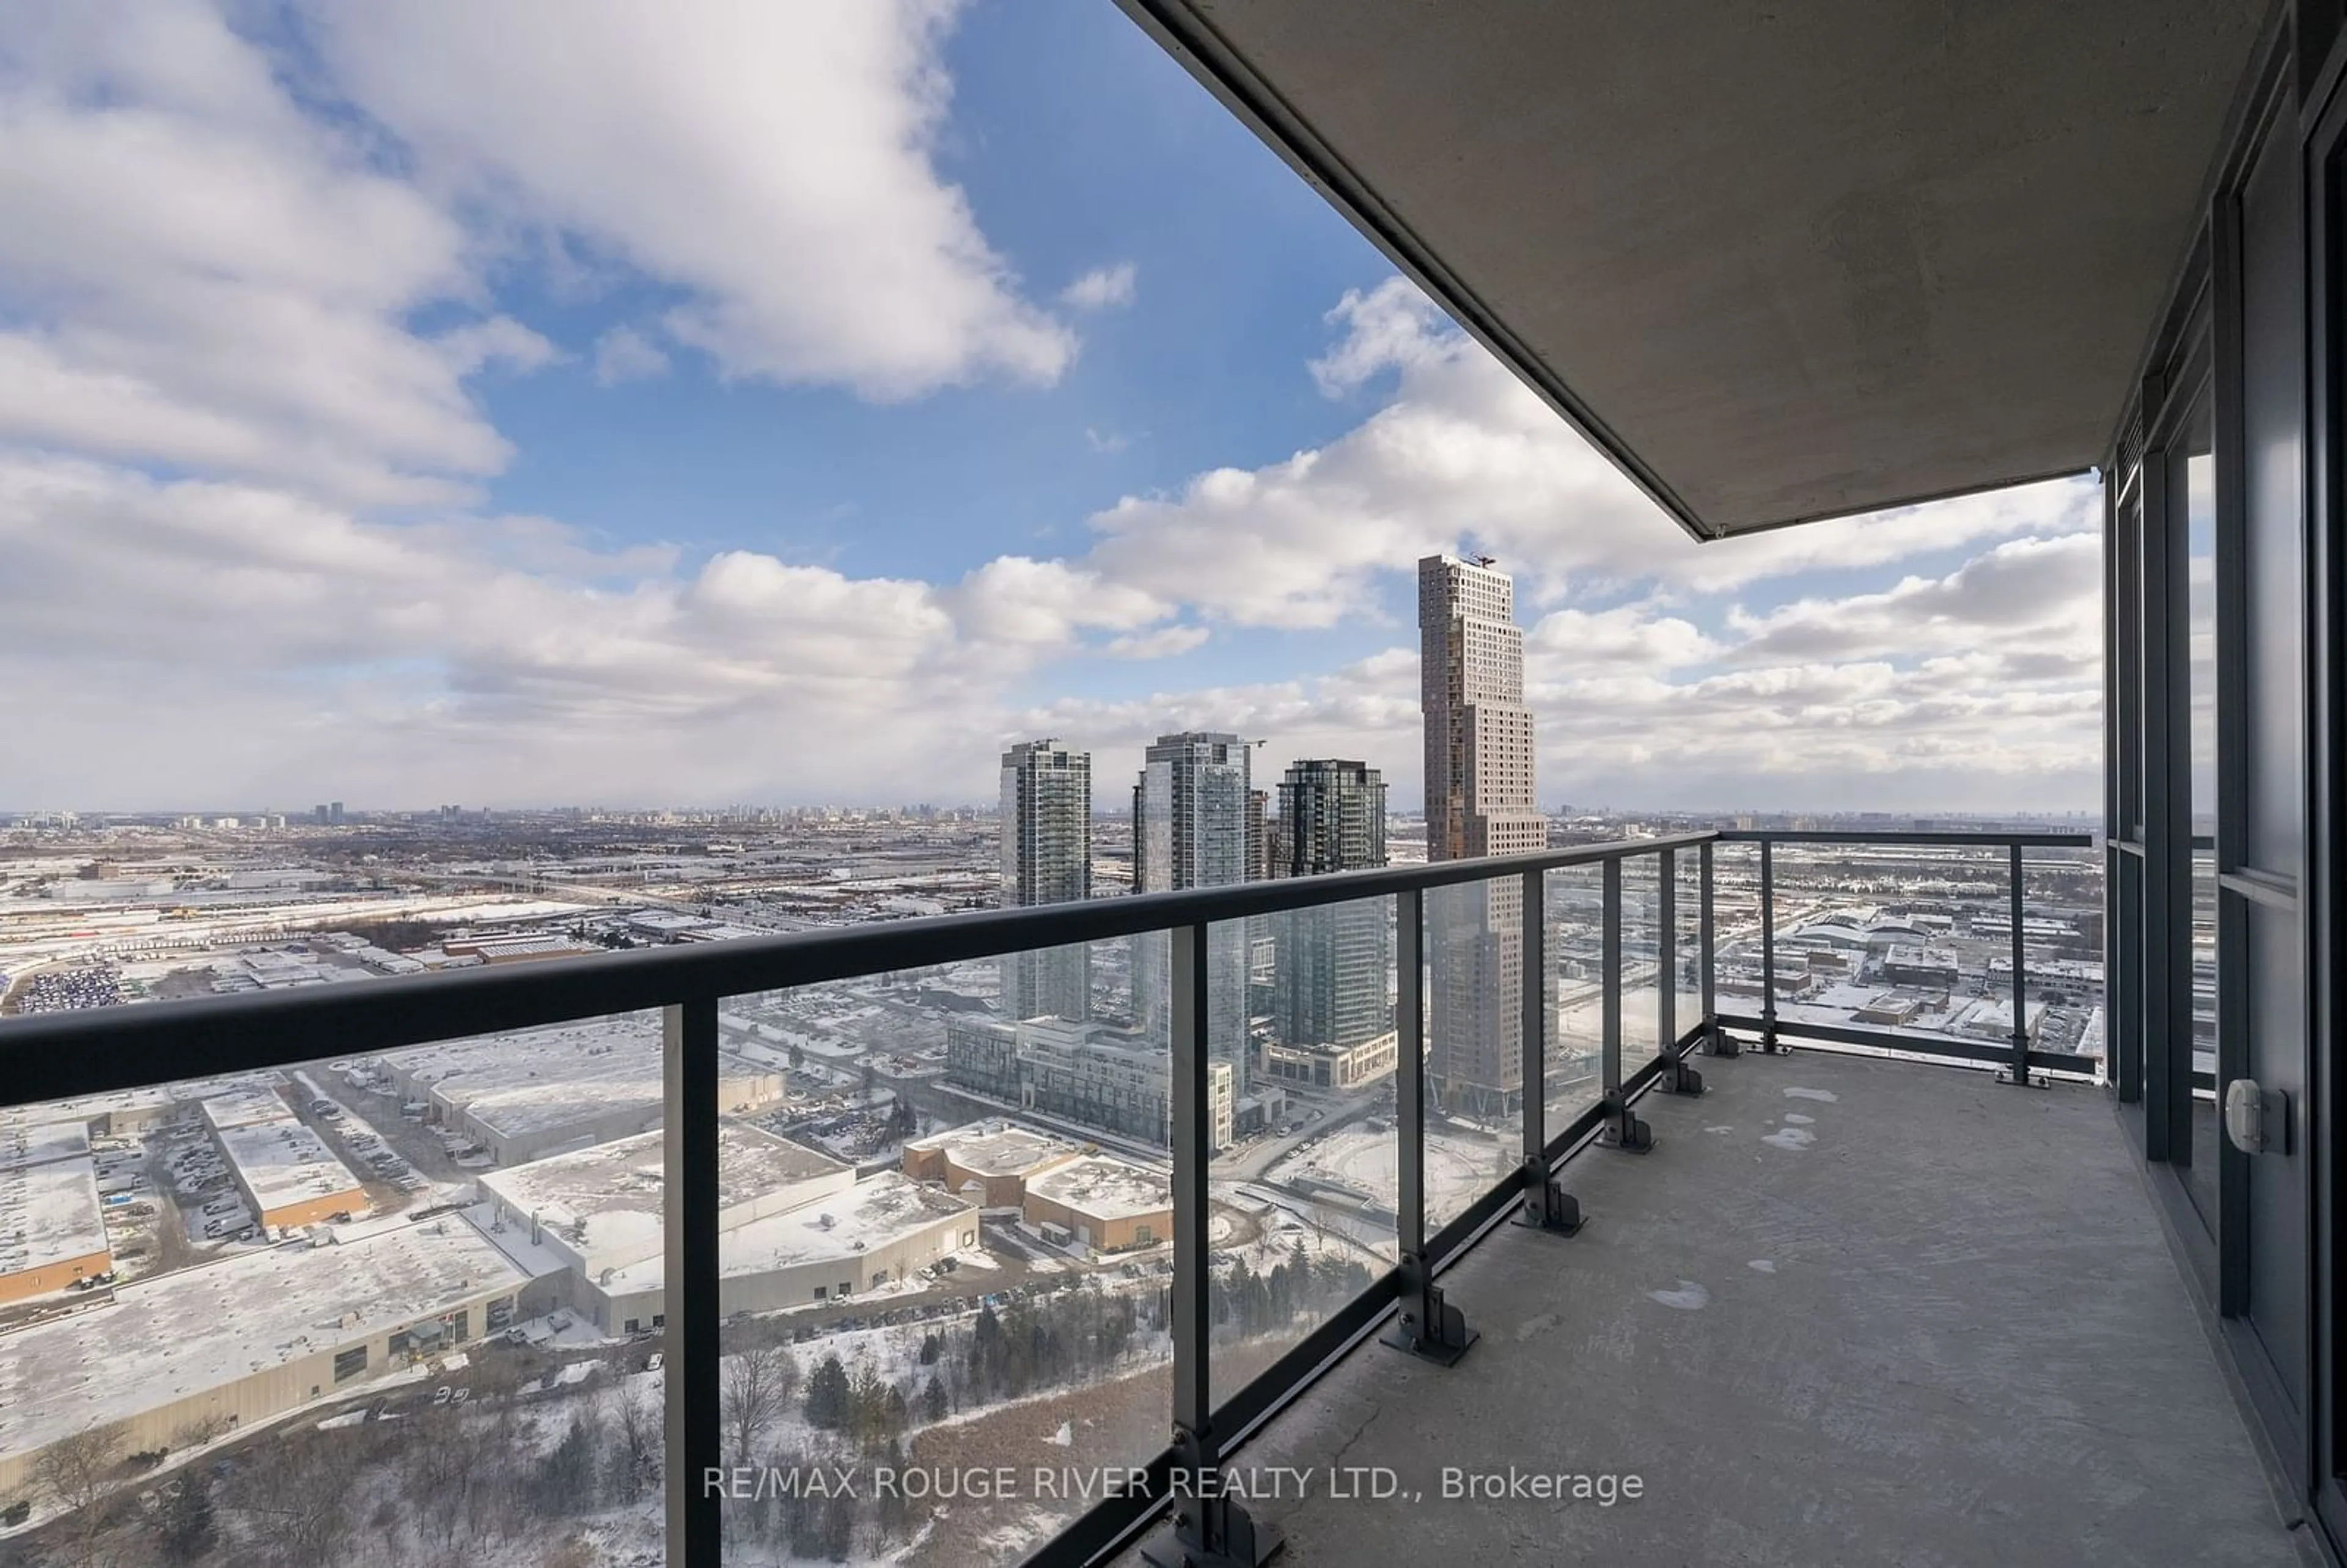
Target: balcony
{"points": [[1848, 1310], [1865, 1257]]}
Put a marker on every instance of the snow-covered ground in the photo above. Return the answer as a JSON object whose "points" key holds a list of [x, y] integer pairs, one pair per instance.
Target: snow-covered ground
{"points": [[1362, 1162]]}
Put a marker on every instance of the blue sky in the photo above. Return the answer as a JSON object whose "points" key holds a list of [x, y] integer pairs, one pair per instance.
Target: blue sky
{"points": [[452, 403]]}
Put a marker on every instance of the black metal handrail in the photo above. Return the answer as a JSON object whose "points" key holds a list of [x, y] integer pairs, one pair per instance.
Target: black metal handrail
{"points": [[58, 1056], [2049, 839]]}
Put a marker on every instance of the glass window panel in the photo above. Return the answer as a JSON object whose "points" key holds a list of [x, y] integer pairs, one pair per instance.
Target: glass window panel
{"points": [[953, 1235], [1474, 1059], [1304, 1207]]}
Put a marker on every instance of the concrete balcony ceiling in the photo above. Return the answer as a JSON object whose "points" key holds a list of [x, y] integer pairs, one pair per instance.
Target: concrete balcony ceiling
{"points": [[1778, 261]]}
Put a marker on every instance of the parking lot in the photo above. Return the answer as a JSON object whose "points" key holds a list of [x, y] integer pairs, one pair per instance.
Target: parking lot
{"points": [[92, 985], [389, 1178]]}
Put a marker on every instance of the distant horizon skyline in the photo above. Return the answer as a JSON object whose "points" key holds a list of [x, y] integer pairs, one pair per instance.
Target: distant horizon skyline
{"points": [[1104, 807]]}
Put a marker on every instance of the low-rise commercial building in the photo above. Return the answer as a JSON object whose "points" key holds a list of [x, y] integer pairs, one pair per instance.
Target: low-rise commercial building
{"points": [[1089, 1073], [186, 1355], [285, 1171], [39, 1143], [1102, 1201], [1331, 1066], [601, 1208], [533, 1092], [1920, 966], [795, 1226], [52, 1229], [988, 1162], [874, 1234]]}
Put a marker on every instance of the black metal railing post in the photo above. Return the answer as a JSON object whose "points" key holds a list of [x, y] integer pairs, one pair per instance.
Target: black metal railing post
{"points": [[1767, 945], [1207, 1525], [1716, 1040], [1681, 1078], [1623, 1130], [1547, 1205], [2019, 1071], [1426, 1326], [695, 1464]]}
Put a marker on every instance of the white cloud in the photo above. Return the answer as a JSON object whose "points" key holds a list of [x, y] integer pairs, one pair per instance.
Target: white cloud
{"points": [[327, 642], [1167, 642], [1017, 601], [773, 163], [202, 276], [1365, 709], [1627, 635], [1106, 444], [2042, 595], [225, 282], [1394, 326], [1101, 288], [499, 341], [1461, 451], [623, 354]]}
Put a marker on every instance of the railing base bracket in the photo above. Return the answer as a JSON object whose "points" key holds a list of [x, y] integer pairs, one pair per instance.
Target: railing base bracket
{"points": [[1549, 1207], [1436, 1333], [1629, 1137], [1719, 1042], [1242, 1541], [1625, 1131], [1680, 1079], [2027, 1080]]}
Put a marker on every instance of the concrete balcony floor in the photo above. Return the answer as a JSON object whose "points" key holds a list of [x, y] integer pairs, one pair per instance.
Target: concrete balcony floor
{"points": [[1935, 1323]]}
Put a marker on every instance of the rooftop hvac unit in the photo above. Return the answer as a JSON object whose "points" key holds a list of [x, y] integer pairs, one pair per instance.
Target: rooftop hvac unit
{"points": [[825, 1222]]}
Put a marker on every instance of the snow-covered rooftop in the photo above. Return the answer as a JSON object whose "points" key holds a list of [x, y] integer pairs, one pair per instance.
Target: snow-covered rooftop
{"points": [[533, 1081], [994, 1148], [86, 1108], [245, 1107], [49, 1212], [615, 1189], [874, 1212], [38, 1143], [1104, 1187], [196, 1328], [282, 1162]]}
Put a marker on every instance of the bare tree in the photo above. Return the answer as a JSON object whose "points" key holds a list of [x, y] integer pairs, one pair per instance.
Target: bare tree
{"points": [[756, 1389], [458, 1469], [296, 1499], [77, 1475], [635, 1458]]}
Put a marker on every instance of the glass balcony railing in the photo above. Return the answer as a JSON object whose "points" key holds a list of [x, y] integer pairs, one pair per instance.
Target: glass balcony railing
{"points": [[909, 1242], [1957, 947]]}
